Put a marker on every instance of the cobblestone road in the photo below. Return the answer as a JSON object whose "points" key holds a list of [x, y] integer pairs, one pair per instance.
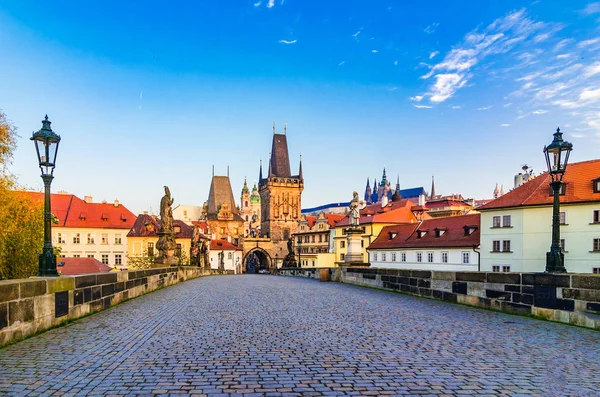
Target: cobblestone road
{"points": [[277, 336]]}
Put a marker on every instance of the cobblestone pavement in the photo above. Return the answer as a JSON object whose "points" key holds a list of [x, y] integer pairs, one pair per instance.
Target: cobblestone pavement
{"points": [[279, 336]]}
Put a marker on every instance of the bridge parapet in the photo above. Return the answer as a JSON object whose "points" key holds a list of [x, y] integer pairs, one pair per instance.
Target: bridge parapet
{"points": [[28, 306]]}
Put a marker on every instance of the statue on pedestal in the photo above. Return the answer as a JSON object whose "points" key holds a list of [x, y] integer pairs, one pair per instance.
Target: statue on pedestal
{"points": [[354, 210], [166, 244], [290, 258]]}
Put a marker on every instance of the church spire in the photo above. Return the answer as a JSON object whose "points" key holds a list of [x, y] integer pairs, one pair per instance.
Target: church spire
{"points": [[432, 188], [398, 184], [245, 188], [260, 172], [300, 172], [368, 192]]}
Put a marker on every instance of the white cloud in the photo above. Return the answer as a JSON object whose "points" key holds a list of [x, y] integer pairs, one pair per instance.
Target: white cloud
{"points": [[592, 8], [257, 4], [374, 51], [539, 111], [433, 54], [541, 37], [445, 86], [484, 108], [356, 34], [561, 44], [587, 43], [341, 63], [288, 42], [141, 94], [455, 107], [592, 70], [431, 28], [564, 56], [566, 104], [423, 106], [271, 3], [504, 125], [507, 105], [416, 98], [589, 95], [395, 63]]}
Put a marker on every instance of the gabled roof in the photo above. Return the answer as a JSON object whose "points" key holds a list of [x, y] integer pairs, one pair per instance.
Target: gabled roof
{"points": [[280, 159], [139, 228], [223, 245], [394, 212], [72, 266], [579, 179], [220, 192], [71, 211], [406, 235]]}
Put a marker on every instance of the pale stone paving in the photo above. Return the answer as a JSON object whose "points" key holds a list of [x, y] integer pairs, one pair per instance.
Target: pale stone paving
{"points": [[274, 336]]}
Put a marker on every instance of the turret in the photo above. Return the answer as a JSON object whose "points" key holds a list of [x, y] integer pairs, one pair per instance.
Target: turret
{"points": [[300, 176], [368, 192]]}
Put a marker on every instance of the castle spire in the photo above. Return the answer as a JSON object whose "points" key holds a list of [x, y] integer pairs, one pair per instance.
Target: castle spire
{"points": [[300, 172], [260, 172], [368, 192], [432, 188]]}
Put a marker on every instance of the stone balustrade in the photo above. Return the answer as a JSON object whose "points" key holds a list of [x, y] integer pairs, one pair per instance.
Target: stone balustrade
{"points": [[28, 306], [568, 298]]}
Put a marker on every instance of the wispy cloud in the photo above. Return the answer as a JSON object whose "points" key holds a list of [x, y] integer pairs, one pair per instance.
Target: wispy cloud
{"points": [[288, 41], [271, 3], [423, 106], [456, 107], [504, 125], [416, 98], [590, 95], [592, 8], [539, 111], [374, 51], [141, 94], [433, 54], [587, 43], [507, 105], [355, 35], [341, 63], [431, 28], [484, 108], [257, 4]]}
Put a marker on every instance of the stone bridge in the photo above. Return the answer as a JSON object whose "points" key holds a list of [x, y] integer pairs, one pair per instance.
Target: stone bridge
{"points": [[283, 336]]}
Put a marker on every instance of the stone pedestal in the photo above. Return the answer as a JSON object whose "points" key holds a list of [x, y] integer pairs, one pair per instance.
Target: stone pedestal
{"points": [[166, 250], [353, 241]]}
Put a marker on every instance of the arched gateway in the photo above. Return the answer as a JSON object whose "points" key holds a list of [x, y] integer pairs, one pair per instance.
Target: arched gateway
{"points": [[255, 260]]}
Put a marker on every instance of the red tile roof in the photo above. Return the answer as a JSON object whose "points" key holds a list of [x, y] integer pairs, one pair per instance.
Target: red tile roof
{"points": [[147, 225], [311, 220], [394, 212], [332, 219], [71, 211], [579, 179], [223, 245], [73, 266], [406, 236]]}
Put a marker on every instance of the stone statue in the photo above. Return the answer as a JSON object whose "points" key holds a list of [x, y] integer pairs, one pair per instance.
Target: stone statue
{"points": [[166, 213], [290, 258], [204, 259], [354, 210]]}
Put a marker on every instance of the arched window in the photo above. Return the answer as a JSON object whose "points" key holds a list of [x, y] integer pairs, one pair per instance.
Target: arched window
{"points": [[246, 203], [246, 218]]}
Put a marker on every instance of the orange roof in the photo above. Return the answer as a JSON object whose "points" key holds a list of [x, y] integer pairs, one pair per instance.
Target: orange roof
{"points": [[578, 178], [223, 245], [453, 227], [71, 211], [71, 266], [394, 212]]}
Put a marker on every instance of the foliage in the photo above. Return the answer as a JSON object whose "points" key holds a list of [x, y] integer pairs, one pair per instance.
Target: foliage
{"points": [[183, 259], [140, 262], [8, 141]]}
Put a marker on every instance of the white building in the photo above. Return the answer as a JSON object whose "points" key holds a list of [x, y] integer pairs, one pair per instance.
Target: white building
{"points": [[516, 229], [444, 244], [187, 213], [225, 257]]}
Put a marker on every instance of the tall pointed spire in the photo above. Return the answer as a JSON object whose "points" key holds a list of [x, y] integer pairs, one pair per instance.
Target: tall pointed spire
{"points": [[398, 184], [260, 178], [300, 176], [245, 188], [374, 195], [383, 178], [368, 192], [270, 163], [432, 188], [273, 127]]}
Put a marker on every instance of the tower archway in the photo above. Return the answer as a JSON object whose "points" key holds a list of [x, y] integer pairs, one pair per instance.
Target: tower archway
{"points": [[256, 260]]}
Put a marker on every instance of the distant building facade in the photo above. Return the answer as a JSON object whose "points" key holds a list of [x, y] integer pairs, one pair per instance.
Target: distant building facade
{"points": [[225, 257], [250, 210], [312, 238], [223, 218]]}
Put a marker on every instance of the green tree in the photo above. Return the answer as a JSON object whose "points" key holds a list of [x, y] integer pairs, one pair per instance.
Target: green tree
{"points": [[21, 218], [140, 262]]}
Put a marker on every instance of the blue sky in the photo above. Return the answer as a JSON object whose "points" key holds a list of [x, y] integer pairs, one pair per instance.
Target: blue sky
{"points": [[153, 94]]}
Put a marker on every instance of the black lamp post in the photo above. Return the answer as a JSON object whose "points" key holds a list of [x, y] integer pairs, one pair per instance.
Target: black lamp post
{"points": [[300, 251], [557, 157], [46, 146]]}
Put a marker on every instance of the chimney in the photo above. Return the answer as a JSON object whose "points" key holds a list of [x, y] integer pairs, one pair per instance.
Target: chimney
{"points": [[384, 201], [421, 199], [88, 199], [518, 180], [116, 203]]}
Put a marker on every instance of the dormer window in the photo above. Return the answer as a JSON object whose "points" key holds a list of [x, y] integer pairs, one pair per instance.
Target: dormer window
{"points": [[177, 229], [149, 227], [597, 185], [469, 229], [421, 233], [440, 232], [104, 216], [82, 216], [392, 235]]}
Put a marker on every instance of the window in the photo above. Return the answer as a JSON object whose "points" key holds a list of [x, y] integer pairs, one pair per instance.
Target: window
{"points": [[90, 238], [375, 256], [419, 257], [222, 230], [299, 239], [76, 256], [597, 186], [506, 246], [229, 255], [76, 237], [496, 221], [104, 238], [327, 237], [563, 245], [90, 256], [465, 258], [150, 249], [105, 259], [246, 203], [342, 244], [496, 269], [184, 212], [430, 257], [444, 257], [178, 250], [247, 218], [320, 238], [563, 218], [177, 229], [312, 238], [393, 257], [383, 257], [306, 239], [362, 243], [403, 257], [343, 256], [496, 246], [596, 270], [596, 216], [506, 269], [117, 239], [118, 259], [61, 240], [597, 244], [506, 221]]}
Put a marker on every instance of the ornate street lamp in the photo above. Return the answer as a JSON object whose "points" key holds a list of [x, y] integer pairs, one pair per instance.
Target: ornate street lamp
{"points": [[557, 157], [46, 145]]}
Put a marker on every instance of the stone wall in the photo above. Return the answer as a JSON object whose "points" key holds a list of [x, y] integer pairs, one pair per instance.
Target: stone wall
{"points": [[28, 306]]}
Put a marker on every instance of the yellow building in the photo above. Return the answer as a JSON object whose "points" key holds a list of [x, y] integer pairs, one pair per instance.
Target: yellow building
{"points": [[373, 218], [312, 240], [142, 238]]}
